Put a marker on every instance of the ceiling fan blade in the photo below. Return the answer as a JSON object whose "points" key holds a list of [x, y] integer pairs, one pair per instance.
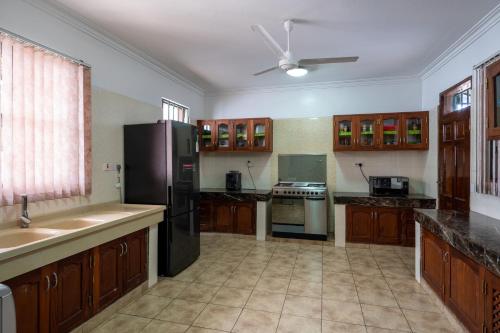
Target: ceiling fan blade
{"points": [[269, 40], [319, 61], [266, 71]]}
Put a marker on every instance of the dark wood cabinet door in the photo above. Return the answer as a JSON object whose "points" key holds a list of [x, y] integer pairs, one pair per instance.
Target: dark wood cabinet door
{"points": [[387, 226], [206, 216], [223, 135], [32, 301], [108, 273], [359, 222], [344, 133], [70, 294], [241, 134], [367, 135], [492, 306], [389, 134], [206, 135], [223, 216], [415, 126], [433, 265], [408, 227], [464, 289], [135, 260], [244, 218], [261, 131]]}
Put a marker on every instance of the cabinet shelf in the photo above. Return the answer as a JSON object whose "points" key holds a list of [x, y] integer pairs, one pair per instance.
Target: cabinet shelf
{"points": [[345, 133]]}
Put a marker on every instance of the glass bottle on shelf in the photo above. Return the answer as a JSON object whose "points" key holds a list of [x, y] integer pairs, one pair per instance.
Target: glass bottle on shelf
{"points": [[241, 130], [390, 131], [223, 135], [413, 131], [345, 133]]}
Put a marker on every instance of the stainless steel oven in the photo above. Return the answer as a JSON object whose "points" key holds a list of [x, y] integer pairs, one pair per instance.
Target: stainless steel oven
{"points": [[289, 211]]}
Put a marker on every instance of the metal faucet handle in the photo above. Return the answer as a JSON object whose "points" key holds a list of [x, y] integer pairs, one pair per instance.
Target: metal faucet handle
{"points": [[25, 218]]}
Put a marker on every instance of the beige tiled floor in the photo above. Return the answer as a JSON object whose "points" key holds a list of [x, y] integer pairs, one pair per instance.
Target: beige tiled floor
{"points": [[241, 285]]}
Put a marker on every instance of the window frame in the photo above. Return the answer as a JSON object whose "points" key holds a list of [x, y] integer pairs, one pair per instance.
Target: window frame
{"points": [[492, 71], [174, 110]]}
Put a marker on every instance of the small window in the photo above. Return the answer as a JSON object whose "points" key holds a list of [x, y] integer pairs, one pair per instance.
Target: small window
{"points": [[457, 98], [175, 111], [493, 102]]}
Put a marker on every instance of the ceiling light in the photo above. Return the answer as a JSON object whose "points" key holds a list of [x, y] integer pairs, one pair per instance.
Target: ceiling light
{"points": [[297, 72]]}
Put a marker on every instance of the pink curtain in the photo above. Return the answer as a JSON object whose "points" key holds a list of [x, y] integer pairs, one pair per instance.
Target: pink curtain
{"points": [[45, 131]]}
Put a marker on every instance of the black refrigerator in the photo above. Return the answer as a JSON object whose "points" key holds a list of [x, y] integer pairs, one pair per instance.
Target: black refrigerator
{"points": [[162, 167]]}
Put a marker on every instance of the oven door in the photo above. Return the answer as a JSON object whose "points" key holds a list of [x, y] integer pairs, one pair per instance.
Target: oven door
{"points": [[288, 211]]}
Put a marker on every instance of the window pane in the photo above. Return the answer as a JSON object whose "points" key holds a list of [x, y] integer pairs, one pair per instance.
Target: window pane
{"points": [[497, 101]]}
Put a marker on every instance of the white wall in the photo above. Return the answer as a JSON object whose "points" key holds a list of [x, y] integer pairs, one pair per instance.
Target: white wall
{"points": [[459, 65], [125, 91], [324, 100]]}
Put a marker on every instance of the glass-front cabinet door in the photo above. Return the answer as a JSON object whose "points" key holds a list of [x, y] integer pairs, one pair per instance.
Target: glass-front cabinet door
{"points": [[241, 132], [224, 135], [415, 132], [206, 132], [343, 127], [366, 132], [391, 131], [261, 134]]}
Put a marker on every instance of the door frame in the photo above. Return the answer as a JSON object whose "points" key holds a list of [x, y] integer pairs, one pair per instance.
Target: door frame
{"points": [[451, 118]]}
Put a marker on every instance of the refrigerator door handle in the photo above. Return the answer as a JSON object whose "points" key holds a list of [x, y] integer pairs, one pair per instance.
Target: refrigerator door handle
{"points": [[169, 200], [189, 146]]}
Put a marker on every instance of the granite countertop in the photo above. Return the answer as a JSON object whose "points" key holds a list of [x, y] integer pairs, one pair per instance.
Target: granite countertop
{"points": [[475, 235], [243, 194], [365, 199]]}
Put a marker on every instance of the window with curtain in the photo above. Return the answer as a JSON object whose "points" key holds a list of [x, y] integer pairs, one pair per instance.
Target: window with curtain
{"points": [[45, 147], [175, 111], [487, 150]]}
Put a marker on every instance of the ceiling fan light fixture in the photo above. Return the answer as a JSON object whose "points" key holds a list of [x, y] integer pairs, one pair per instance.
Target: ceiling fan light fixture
{"points": [[297, 72]]}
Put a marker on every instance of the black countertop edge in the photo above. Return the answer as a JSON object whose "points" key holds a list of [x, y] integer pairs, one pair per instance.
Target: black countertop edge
{"points": [[475, 235], [365, 199], [244, 194]]}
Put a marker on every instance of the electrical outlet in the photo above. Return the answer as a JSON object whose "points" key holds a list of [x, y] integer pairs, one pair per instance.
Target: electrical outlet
{"points": [[358, 164], [110, 166], [249, 164]]}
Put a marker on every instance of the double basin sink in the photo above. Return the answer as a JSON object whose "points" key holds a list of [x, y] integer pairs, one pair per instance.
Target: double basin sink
{"points": [[45, 229]]}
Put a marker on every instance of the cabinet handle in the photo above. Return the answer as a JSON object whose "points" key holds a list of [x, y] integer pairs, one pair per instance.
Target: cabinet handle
{"points": [[126, 247], [445, 256], [48, 282], [54, 274], [122, 249]]}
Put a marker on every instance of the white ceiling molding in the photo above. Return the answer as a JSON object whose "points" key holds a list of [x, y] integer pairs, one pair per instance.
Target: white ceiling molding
{"points": [[477, 30], [396, 80], [115, 43]]}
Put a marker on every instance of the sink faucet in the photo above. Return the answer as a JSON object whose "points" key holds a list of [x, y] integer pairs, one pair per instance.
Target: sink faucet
{"points": [[25, 217]]}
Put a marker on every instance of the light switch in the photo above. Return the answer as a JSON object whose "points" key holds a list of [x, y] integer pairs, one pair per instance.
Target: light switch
{"points": [[110, 166]]}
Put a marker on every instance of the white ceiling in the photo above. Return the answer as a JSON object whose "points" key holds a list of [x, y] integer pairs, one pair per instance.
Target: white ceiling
{"points": [[210, 42]]}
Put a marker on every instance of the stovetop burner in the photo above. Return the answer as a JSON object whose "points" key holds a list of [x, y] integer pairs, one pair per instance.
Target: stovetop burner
{"points": [[300, 189]]}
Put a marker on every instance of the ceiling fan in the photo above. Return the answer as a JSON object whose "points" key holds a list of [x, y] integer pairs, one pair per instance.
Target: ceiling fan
{"points": [[286, 61]]}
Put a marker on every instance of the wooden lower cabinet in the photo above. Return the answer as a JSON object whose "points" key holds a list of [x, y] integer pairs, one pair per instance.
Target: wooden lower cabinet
{"points": [[228, 216], [380, 225], [467, 288], [62, 295]]}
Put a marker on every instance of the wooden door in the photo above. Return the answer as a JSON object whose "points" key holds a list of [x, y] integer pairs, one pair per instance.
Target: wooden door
{"points": [[206, 135], [492, 306], [223, 216], [31, 293], [387, 226], [244, 218], [108, 273], [135, 260], [454, 149], [464, 289], [206, 215], [344, 133], [224, 135], [359, 224], [70, 294], [433, 265], [262, 134], [415, 130], [367, 132], [241, 134], [389, 134]]}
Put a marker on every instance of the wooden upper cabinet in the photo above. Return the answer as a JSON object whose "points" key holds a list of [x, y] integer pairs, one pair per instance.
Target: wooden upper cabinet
{"points": [[386, 131], [367, 132], [251, 134], [224, 135], [206, 135], [241, 134], [390, 131], [493, 100], [344, 133], [415, 130], [262, 134]]}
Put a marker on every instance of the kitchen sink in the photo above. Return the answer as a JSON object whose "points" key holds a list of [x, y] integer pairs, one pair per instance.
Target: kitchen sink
{"points": [[24, 236], [72, 224]]}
